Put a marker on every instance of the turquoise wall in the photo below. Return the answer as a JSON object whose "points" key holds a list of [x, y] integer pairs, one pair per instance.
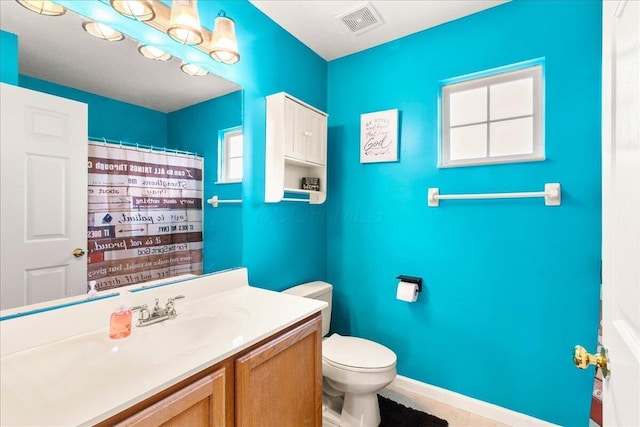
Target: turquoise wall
{"points": [[511, 285], [282, 244], [8, 58], [196, 129], [110, 118]]}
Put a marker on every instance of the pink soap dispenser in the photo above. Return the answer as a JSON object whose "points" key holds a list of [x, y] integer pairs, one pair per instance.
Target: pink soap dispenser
{"points": [[120, 322]]}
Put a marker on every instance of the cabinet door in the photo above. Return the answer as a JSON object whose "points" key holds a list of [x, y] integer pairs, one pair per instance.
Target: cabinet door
{"points": [[295, 128], [280, 383], [201, 403], [316, 138]]}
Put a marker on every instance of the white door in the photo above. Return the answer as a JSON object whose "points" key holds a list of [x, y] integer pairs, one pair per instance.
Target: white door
{"points": [[621, 211], [43, 195]]}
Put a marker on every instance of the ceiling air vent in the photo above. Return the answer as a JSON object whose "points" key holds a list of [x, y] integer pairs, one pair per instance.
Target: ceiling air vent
{"points": [[361, 19]]}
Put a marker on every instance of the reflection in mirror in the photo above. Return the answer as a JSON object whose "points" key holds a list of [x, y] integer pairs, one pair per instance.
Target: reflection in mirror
{"points": [[136, 101], [61, 303]]}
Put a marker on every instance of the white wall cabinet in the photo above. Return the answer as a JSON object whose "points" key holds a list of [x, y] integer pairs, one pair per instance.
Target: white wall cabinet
{"points": [[296, 147]]}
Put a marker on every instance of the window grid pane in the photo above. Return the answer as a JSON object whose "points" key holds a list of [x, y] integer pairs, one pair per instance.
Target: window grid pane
{"points": [[469, 106], [498, 116], [231, 157], [511, 137], [234, 145], [468, 142], [234, 169], [511, 99]]}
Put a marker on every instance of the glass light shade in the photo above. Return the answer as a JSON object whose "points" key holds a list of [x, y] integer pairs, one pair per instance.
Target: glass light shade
{"points": [[224, 46], [43, 7], [102, 31], [153, 52], [193, 69], [184, 25], [142, 10]]}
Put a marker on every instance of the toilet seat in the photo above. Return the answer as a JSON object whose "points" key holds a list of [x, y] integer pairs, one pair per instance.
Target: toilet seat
{"points": [[357, 354]]}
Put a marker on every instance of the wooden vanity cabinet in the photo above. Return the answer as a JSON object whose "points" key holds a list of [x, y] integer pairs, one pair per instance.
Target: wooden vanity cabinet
{"points": [[276, 382], [199, 404], [280, 382]]}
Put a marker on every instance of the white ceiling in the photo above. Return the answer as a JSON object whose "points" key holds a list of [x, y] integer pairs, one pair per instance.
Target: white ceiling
{"points": [[314, 22], [57, 49]]}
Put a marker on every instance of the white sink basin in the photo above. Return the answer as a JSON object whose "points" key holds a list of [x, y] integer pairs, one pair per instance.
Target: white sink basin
{"points": [[171, 339]]}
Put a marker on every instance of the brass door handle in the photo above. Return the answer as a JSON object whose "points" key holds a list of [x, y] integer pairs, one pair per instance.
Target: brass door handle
{"points": [[78, 252], [582, 359]]}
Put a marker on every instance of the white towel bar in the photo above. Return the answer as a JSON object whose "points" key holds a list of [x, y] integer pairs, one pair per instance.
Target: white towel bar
{"points": [[291, 199], [551, 194], [214, 201]]}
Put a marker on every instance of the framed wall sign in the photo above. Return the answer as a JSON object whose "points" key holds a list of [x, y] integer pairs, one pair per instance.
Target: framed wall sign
{"points": [[379, 136]]}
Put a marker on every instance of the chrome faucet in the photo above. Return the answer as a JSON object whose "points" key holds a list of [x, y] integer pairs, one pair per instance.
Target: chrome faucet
{"points": [[158, 314]]}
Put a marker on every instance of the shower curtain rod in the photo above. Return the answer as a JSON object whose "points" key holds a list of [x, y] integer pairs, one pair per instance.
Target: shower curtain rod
{"points": [[143, 146]]}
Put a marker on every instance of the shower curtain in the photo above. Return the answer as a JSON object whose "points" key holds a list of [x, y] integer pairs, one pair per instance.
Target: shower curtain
{"points": [[145, 215]]}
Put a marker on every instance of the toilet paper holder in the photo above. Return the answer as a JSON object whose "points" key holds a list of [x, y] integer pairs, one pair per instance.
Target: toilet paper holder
{"points": [[411, 279]]}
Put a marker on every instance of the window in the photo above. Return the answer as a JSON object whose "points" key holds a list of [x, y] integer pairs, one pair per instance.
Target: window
{"points": [[493, 117], [230, 155]]}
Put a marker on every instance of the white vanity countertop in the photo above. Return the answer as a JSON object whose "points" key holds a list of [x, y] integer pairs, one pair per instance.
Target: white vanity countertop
{"points": [[85, 379]]}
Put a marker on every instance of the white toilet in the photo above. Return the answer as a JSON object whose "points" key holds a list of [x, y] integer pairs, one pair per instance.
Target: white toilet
{"points": [[353, 369]]}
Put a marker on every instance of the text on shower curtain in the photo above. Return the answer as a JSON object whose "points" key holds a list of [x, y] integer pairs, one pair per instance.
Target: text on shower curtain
{"points": [[145, 215]]}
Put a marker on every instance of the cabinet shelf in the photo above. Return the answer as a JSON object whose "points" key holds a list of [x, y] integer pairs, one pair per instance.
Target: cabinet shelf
{"points": [[292, 161], [301, 191], [296, 147], [315, 197]]}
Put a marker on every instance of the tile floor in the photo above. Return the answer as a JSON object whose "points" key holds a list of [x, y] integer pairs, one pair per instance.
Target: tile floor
{"points": [[455, 416]]}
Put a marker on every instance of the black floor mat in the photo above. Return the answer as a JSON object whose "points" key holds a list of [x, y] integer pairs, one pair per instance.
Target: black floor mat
{"points": [[393, 414]]}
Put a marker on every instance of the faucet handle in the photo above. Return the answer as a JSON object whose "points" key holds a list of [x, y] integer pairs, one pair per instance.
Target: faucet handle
{"points": [[144, 312], [170, 301], [171, 306]]}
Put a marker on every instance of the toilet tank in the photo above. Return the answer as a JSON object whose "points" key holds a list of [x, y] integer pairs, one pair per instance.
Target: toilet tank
{"points": [[316, 290]]}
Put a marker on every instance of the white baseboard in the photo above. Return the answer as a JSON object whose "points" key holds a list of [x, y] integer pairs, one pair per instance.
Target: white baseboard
{"points": [[479, 407]]}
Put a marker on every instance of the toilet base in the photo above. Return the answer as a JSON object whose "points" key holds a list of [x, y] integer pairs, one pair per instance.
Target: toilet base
{"points": [[330, 418], [350, 410], [360, 410]]}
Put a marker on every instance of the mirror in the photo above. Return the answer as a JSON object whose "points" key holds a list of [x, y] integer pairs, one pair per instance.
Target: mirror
{"points": [[57, 56]]}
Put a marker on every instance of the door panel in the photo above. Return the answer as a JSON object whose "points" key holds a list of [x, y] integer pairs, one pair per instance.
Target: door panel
{"points": [[289, 130], [43, 153], [300, 129], [621, 210], [44, 193], [45, 284], [316, 146]]}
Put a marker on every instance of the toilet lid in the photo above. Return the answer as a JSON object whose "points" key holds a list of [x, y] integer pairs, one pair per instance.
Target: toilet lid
{"points": [[357, 352]]}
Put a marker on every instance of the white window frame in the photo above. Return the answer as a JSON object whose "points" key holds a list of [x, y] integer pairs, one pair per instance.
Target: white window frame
{"points": [[533, 69], [224, 155]]}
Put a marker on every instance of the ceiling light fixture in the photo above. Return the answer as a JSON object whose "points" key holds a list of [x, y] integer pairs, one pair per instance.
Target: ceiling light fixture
{"points": [[224, 45], [43, 7], [193, 69], [142, 10], [102, 31], [153, 52], [184, 24]]}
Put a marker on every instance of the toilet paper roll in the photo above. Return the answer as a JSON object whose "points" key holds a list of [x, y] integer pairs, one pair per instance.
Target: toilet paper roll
{"points": [[407, 292]]}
